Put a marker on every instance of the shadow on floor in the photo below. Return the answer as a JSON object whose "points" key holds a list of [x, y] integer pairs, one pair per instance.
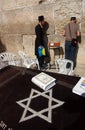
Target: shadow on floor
{"points": [[2, 47]]}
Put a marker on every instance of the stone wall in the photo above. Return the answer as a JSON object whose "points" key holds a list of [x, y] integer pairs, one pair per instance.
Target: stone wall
{"points": [[19, 17]]}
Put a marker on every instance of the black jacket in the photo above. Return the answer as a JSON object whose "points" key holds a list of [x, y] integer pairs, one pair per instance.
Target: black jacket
{"points": [[39, 38]]}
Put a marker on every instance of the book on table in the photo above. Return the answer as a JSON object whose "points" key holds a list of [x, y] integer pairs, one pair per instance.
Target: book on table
{"points": [[79, 88], [44, 81]]}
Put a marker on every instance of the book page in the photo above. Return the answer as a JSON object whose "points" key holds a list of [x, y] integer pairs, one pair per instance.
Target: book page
{"points": [[79, 88], [44, 78]]}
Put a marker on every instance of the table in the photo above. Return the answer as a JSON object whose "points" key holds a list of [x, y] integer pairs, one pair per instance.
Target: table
{"points": [[54, 48], [24, 106]]}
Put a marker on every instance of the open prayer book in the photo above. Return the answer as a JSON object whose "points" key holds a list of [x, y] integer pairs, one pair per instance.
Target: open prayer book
{"points": [[44, 81], [79, 88]]}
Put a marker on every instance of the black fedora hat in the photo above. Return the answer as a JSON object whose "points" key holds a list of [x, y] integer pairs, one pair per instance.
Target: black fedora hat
{"points": [[41, 18]]}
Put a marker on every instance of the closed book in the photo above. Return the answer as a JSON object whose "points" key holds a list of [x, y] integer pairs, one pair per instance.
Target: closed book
{"points": [[44, 81]]}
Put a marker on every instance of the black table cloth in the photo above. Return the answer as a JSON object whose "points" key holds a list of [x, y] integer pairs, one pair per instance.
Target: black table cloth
{"points": [[25, 106]]}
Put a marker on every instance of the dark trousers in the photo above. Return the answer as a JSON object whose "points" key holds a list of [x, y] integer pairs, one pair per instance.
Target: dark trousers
{"points": [[70, 52], [41, 60]]}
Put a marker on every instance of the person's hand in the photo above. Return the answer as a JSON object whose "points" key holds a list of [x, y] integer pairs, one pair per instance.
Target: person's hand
{"points": [[64, 33]]}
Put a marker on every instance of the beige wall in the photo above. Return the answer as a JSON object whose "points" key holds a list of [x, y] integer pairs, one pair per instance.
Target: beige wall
{"points": [[19, 17]]}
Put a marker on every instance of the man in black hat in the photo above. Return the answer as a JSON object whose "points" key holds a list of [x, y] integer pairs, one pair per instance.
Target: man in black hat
{"points": [[39, 39]]}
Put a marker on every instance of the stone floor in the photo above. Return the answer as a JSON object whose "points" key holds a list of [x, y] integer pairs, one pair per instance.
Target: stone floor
{"points": [[79, 70]]}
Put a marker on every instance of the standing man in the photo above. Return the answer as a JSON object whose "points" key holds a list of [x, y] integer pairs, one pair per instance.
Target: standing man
{"points": [[39, 39], [45, 39], [71, 31]]}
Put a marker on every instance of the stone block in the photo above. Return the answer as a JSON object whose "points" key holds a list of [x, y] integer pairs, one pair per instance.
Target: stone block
{"points": [[29, 45], [80, 56], [15, 4], [13, 43]]}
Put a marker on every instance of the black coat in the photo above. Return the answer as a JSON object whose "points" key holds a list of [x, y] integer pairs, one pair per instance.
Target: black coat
{"points": [[39, 38]]}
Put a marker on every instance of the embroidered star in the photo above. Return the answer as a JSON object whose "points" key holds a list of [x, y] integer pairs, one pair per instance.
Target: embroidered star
{"points": [[33, 113]]}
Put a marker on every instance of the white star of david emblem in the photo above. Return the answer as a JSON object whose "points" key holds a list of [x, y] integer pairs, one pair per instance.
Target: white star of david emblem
{"points": [[35, 94]]}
